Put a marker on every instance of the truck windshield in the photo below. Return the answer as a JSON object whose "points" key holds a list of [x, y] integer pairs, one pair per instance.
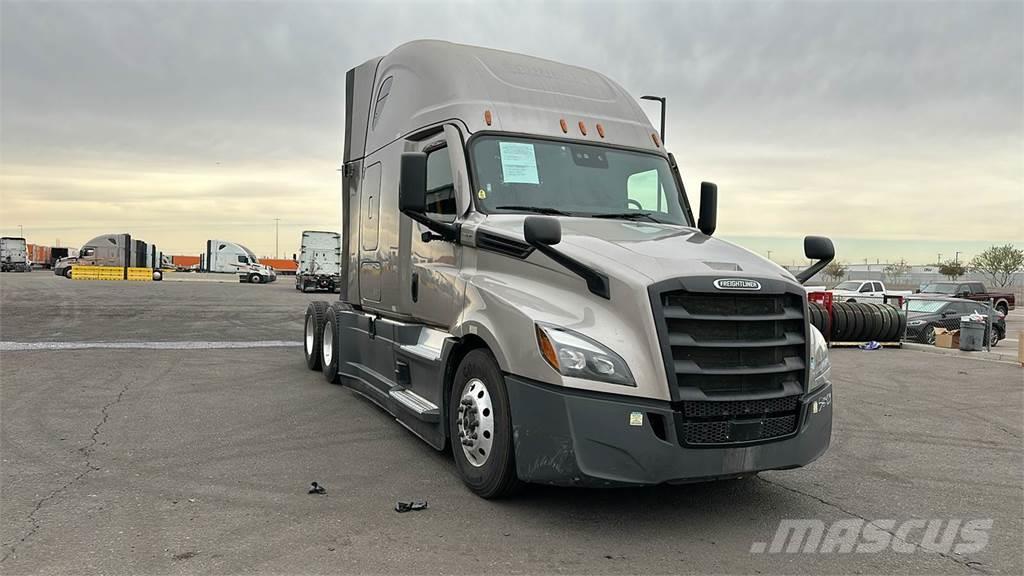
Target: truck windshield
{"points": [[562, 178]]}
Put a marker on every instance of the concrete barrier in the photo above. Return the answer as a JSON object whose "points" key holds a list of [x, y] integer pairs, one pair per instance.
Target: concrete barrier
{"points": [[111, 273]]}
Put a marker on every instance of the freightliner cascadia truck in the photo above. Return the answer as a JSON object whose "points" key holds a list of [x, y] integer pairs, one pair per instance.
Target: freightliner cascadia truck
{"points": [[527, 285], [119, 250]]}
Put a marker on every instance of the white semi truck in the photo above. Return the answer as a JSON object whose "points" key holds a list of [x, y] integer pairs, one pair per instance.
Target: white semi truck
{"points": [[319, 262], [233, 258], [526, 284], [14, 255]]}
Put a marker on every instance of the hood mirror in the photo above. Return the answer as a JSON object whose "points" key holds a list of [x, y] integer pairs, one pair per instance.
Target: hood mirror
{"points": [[817, 248], [542, 230]]}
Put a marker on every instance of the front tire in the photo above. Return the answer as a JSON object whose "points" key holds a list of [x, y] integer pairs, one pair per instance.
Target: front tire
{"points": [[255, 279], [314, 326], [67, 272], [480, 425]]}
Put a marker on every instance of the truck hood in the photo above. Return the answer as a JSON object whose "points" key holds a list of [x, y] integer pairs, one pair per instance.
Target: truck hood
{"points": [[657, 251]]}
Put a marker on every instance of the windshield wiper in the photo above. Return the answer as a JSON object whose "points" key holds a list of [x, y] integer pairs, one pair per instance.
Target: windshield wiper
{"points": [[537, 209], [628, 216]]}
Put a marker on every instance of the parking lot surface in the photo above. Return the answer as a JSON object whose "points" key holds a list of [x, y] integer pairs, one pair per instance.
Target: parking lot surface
{"points": [[173, 461]]}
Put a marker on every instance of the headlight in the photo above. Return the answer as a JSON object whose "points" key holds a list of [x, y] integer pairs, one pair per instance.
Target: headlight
{"points": [[574, 354], [821, 365], [915, 322]]}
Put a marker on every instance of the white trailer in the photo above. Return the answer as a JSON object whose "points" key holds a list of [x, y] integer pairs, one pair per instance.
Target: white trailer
{"points": [[319, 262], [14, 255], [233, 258]]}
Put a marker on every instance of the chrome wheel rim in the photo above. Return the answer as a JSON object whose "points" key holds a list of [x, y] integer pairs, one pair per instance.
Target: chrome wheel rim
{"points": [[930, 335], [310, 335], [475, 422], [328, 343]]}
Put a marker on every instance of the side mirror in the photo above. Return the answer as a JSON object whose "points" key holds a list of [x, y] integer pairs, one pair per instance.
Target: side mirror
{"points": [[818, 248], [708, 208], [542, 230], [412, 183]]}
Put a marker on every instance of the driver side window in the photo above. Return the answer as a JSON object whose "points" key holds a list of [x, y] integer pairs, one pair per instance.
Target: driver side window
{"points": [[645, 192], [440, 197]]}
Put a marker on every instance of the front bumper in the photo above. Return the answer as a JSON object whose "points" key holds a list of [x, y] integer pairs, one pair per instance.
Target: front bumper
{"points": [[573, 438]]}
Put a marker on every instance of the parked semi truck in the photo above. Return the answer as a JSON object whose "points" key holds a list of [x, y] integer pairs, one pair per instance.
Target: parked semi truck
{"points": [[14, 255], [231, 257], [526, 283], [319, 262], [119, 250]]}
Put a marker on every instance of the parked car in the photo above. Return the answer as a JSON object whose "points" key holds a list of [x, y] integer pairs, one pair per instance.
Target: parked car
{"points": [[864, 291], [924, 315], [1003, 301]]}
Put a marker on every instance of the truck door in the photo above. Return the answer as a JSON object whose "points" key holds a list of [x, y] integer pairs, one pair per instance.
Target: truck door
{"points": [[370, 272], [434, 289]]}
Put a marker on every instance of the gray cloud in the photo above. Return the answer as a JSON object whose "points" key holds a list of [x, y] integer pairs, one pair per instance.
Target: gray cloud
{"points": [[895, 103]]}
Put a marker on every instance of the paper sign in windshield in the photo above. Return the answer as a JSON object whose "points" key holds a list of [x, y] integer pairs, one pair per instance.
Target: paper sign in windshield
{"points": [[518, 163]]}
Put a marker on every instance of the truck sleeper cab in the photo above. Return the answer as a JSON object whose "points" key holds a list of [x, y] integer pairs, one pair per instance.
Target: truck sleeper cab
{"points": [[114, 250], [525, 282]]}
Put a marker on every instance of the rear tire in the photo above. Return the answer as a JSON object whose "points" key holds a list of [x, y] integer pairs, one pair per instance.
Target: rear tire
{"points": [[479, 382], [330, 345], [1003, 307], [314, 325]]}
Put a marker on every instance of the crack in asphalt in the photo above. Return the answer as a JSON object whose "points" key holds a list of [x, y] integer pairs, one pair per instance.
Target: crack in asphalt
{"points": [[86, 451], [970, 564]]}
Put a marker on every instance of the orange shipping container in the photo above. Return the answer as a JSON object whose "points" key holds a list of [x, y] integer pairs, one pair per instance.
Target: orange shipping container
{"points": [[185, 261], [281, 265], [39, 255]]}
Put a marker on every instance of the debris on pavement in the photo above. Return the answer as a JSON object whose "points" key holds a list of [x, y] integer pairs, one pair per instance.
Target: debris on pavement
{"points": [[408, 506], [870, 345], [315, 488]]}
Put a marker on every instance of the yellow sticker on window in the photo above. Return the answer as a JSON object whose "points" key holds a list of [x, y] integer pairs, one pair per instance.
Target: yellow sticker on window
{"points": [[481, 194]]}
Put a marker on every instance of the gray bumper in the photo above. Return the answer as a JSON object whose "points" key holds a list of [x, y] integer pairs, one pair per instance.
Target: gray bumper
{"points": [[574, 438]]}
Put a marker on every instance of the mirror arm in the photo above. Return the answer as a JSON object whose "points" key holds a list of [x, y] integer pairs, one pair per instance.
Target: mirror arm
{"points": [[597, 282], [804, 275]]}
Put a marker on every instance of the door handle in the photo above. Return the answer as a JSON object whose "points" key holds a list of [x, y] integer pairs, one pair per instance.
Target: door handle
{"points": [[415, 286]]}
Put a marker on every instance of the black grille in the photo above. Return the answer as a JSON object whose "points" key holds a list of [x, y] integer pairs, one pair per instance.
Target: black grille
{"points": [[746, 408], [723, 348], [734, 343], [724, 431]]}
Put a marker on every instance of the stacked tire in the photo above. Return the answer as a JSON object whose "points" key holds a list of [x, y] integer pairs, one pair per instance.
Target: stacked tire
{"points": [[819, 318], [867, 321]]}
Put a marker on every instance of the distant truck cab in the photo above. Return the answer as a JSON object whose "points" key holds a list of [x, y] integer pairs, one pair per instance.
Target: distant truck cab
{"points": [[319, 262], [14, 256], [233, 258], [526, 282]]}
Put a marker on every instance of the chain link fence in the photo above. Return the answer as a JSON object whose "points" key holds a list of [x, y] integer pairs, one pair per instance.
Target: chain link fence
{"points": [[940, 321]]}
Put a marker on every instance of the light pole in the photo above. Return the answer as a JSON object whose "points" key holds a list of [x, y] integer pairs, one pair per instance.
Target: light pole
{"points": [[21, 230], [277, 222], [957, 257]]}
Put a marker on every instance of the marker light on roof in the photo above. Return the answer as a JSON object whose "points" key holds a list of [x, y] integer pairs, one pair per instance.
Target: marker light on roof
{"points": [[600, 130], [564, 125], [487, 117]]}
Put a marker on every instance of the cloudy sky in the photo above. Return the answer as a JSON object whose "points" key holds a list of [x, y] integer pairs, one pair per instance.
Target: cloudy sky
{"points": [[895, 128]]}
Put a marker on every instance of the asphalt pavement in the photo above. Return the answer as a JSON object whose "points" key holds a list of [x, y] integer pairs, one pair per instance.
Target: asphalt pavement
{"points": [[174, 461]]}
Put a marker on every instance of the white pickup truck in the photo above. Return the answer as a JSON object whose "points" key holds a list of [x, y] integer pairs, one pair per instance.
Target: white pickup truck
{"points": [[864, 291]]}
